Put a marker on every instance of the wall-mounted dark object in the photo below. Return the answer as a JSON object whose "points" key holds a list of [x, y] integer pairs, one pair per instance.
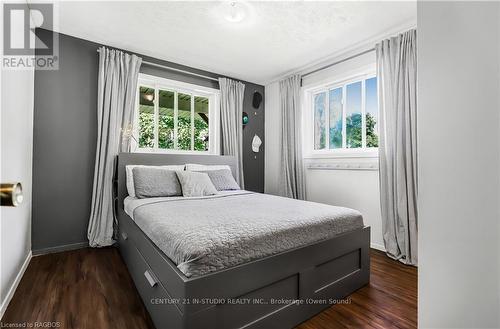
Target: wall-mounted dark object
{"points": [[11, 194], [257, 99], [245, 118]]}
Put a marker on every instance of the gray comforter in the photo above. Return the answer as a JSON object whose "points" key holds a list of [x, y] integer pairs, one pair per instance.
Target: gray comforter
{"points": [[203, 235]]}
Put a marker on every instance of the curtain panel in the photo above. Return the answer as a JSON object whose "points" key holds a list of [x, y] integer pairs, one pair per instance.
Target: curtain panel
{"points": [[117, 88], [231, 108], [291, 181], [397, 85]]}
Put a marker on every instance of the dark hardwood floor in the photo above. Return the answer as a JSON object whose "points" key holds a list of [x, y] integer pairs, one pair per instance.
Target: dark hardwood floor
{"points": [[389, 301], [91, 288]]}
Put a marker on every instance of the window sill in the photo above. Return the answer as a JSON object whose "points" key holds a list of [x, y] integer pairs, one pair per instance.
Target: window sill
{"points": [[172, 152], [343, 160], [367, 166], [343, 154]]}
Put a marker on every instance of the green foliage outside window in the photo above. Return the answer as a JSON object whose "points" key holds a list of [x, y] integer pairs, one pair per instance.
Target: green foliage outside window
{"points": [[371, 134], [166, 135], [335, 138], [354, 131], [146, 130]]}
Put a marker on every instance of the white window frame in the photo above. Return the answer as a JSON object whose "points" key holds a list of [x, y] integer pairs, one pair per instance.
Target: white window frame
{"points": [[308, 105], [158, 83]]}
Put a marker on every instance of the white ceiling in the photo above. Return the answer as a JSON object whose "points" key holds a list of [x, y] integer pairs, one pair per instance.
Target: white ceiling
{"points": [[273, 39]]}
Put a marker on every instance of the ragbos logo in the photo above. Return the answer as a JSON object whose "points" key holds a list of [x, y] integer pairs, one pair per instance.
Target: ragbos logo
{"points": [[20, 42]]}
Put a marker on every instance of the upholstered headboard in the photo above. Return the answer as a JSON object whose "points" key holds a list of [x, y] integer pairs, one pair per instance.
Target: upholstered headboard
{"points": [[156, 159]]}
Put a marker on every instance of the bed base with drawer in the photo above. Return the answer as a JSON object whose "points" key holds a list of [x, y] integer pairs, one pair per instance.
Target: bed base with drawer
{"points": [[278, 291]]}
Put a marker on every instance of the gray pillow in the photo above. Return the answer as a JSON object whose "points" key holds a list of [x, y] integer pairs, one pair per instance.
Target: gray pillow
{"points": [[195, 183], [222, 179], [155, 182]]}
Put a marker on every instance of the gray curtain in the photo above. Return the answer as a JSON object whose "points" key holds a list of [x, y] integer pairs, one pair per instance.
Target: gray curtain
{"points": [[231, 108], [397, 83], [117, 89], [291, 182]]}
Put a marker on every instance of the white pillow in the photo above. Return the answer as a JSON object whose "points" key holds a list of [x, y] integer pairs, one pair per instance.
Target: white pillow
{"points": [[195, 184], [130, 176], [200, 167]]}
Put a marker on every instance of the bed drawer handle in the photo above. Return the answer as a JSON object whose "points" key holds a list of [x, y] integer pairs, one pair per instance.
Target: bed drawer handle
{"points": [[124, 236], [151, 279]]}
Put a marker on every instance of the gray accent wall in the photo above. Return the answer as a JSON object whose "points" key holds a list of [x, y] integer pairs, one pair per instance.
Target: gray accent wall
{"points": [[64, 141], [253, 163]]}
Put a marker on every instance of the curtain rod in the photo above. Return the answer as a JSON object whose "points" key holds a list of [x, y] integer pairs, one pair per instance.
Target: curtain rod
{"points": [[178, 70], [338, 62]]}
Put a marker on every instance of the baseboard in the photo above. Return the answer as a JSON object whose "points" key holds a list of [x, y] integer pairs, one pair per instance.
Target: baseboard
{"points": [[377, 246], [13, 288], [65, 247]]}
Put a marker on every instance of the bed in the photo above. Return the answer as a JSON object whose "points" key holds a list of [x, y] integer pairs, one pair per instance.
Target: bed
{"points": [[237, 259]]}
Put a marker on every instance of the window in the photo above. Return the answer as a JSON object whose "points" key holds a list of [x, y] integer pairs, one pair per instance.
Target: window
{"points": [[175, 117], [345, 116]]}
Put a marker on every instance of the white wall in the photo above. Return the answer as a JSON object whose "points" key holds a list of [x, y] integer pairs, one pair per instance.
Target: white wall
{"points": [[351, 66], [16, 119], [459, 164], [357, 189]]}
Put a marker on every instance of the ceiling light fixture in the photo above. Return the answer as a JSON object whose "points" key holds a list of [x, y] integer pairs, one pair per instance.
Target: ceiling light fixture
{"points": [[235, 12]]}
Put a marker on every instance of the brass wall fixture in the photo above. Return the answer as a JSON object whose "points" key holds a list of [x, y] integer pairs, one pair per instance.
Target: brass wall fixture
{"points": [[11, 194]]}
